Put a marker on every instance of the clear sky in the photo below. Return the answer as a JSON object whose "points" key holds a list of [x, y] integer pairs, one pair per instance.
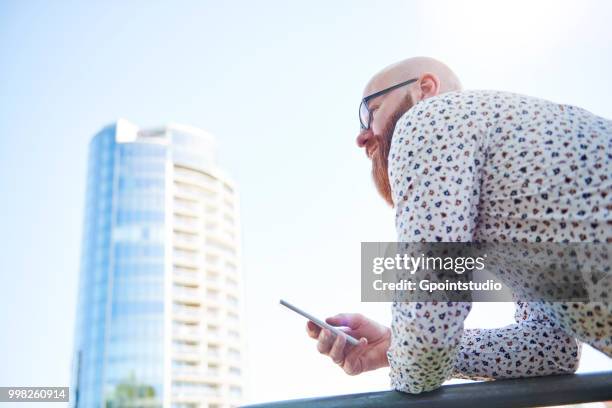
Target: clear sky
{"points": [[279, 84]]}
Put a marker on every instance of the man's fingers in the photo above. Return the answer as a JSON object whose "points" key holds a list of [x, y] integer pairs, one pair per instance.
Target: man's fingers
{"points": [[352, 320], [326, 340], [337, 351], [353, 363], [352, 366], [313, 330]]}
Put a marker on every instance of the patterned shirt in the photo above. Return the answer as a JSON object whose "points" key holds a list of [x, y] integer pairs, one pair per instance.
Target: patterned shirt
{"points": [[498, 167]]}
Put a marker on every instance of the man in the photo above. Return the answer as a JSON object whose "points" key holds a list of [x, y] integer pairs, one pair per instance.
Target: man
{"points": [[463, 166]]}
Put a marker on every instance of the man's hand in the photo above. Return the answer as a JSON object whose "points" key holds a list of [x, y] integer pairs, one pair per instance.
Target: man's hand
{"points": [[369, 354]]}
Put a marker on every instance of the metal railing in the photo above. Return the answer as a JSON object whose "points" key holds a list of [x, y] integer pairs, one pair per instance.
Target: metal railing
{"points": [[527, 392]]}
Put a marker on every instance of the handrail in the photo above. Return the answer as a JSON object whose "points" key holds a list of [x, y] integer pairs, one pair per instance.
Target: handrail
{"points": [[525, 392]]}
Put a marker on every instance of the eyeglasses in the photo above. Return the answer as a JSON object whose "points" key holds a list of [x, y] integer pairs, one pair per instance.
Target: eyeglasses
{"points": [[365, 116]]}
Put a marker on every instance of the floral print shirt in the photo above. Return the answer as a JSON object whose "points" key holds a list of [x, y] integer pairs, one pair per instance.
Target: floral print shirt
{"points": [[498, 167]]}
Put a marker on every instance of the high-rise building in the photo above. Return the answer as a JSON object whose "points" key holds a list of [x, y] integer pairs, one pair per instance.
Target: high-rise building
{"points": [[159, 319]]}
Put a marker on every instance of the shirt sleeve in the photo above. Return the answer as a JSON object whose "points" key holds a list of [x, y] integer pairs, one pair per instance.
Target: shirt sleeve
{"points": [[534, 346], [434, 171]]}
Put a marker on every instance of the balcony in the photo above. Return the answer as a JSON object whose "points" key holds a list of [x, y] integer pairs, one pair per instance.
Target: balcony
{"points": [[185, 257], [186, 224], [194, 180], [185, 240], [214, 338], [188, 188], [195, 391], [189, 373], [527, 392], [186, 313], [213, 282], [184, 331], [213, 354], [187, 348], [188, 207], [186, 276], [187, 295], [187, 357], [185, 263]]}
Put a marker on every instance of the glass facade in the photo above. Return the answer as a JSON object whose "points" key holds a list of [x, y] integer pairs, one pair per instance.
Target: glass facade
{"points": [[158, 318], [119, 334], [93, 289], [134, 358]]}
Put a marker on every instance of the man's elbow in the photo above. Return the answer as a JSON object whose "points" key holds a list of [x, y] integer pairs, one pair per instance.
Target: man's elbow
{"points": [[566, 358], [423, 374], [559, 356], [416, 387]]}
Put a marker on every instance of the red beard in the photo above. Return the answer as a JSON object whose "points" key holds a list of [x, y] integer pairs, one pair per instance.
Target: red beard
{"points": [[380, 157], [380, 167]]}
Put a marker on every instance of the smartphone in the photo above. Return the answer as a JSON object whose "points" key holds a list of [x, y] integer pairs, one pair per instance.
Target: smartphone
{"points": [[353, 341]]}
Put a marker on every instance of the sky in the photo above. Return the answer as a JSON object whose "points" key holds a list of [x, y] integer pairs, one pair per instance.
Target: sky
{"points": [[278, 84]]}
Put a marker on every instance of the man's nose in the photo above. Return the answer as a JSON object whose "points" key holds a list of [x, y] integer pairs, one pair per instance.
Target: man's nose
{"points": [[364, 137]]}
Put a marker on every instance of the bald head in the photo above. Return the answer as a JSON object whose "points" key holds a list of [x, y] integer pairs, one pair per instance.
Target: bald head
{"points": [[379, 113], [415, 67]]}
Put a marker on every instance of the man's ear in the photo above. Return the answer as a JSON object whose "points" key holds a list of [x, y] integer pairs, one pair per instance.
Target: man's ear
{"points": [[429, 85]]}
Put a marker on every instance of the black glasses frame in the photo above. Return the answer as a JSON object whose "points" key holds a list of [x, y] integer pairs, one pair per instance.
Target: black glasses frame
{"points": [[364, 101]]}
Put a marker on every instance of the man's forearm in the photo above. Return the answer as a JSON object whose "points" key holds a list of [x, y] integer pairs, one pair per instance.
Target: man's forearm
{"points": [[424, 344], [518, 350]]}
